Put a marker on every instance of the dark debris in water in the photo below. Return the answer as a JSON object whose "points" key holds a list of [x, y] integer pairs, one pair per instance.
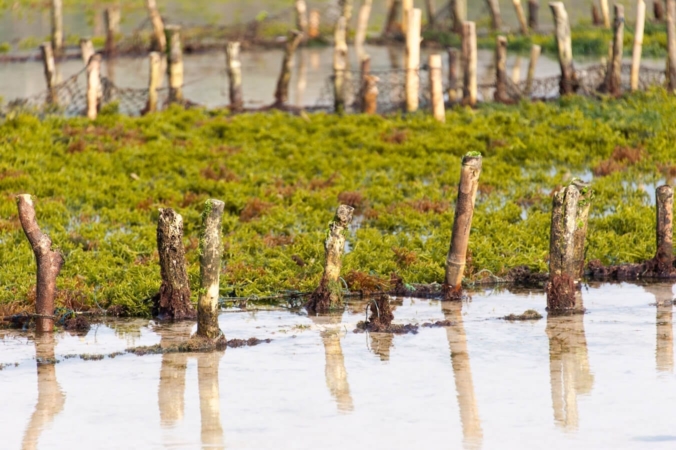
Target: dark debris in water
{"points": [[439, 324], [394, 328], [197, 345], [530, 314], [78, 323]]}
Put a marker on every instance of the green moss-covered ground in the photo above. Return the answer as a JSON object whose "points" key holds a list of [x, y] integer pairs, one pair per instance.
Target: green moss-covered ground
{"points": [[98, 187]]}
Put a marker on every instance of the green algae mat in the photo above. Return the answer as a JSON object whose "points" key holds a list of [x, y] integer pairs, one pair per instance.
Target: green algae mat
{"points": [[98, 188]]}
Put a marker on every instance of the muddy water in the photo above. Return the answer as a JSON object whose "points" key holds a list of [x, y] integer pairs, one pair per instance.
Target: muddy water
{"points": [[602, 380]]}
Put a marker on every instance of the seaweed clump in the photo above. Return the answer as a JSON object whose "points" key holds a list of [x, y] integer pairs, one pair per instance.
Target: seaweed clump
{"points": [[530, 314]]}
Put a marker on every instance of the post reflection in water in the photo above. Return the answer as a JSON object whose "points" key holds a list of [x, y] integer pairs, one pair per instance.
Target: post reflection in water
{"points": [[462, 372], [302, 77], [569, 370], [336, 374], [210, 406], [50, 396], [664, 351]]}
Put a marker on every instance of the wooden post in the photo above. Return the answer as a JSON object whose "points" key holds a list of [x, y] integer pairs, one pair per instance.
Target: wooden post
{"points": [[533, 9], [282, 91], [431, 13], [413, 59], [370, 95], [175, 63], [49, 263], [671, 44], [464, 211], [407, 6], [534, 56], [111, 17], [314, 22], [665, 219], [496, 17], [658, 10], [329, 293], [174, 297], [159, 38], [638, 44], [87, 50], [211, 252], [362, 27], [521, 16], [50, 72], [57, 27], [436, 88], [453, 57], [339, 64], [154, 80], [346, 11], [613, 82], [565, 48], [596, 16], [301, 17], [501, 69], [458, 14], [605, 12], [93, 86], [391, 26], [234, 69], [469, 62]]}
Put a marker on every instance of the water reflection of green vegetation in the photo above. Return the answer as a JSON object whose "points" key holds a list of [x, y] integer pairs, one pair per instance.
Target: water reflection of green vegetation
{"points": [[98, 187]]}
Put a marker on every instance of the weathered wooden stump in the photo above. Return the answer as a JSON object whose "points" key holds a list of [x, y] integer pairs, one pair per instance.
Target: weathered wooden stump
{"points": [[211, 252]]}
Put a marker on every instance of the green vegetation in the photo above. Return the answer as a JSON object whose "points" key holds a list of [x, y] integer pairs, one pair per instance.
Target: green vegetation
{"points": [[98, 187]]}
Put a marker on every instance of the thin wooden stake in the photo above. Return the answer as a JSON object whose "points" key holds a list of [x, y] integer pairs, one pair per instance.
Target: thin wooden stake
{"points": [[596, 16], [458, 14], [301, 16], [154, 81], [368, 88], [160, 39], [523, 24], [671, 44], [314, 22], [565, 48], [638, 44], [407, 6], [346, 11], [57, 27], [49, 263], [533, 9], [496, 17], [362, 27], [605, 12], [658, 10], [501, 69], [469, 62], [50, 72], [391, 26], [431, 13], [413, 60], [436, 88], [111, 17], [93, 86], [613, 82], [453, 57], [87, 50], [340, 64], [665, 229], [234, 70], [175, 63], [534, 56]]}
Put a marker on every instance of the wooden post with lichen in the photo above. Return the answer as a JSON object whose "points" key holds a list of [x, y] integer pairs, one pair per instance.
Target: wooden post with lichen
{"points": [[638, 44], [613, 81], [671, 44], [339, 64], [664, 256], [570, 214], [436, 88], [111, 17], [211, 251], [533, 9], [57, 26], [301, 16], [313, 24], [564, 43], [453, 57], [523, 24], [458, 14], [49, 263], [159, 37], [234, 70], [173, 301], [86, 50], [154, 81], [329, 293], [391, 21], [534, 56], [50, 72], [412, 74], [496, 17], [175, 63], [93, 86], [469, 62], [464, 211], [362, 27], [605, 12], [282, 91], [501, 69]]}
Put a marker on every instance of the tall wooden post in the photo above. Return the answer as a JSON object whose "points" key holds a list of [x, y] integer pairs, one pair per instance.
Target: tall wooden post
{"points": [[534, 56], [154, 81], [469, 62], [516, 70], [665, 229], [436, 88], [93, 86], [362, 27], [613, 81], [50, 72], [658, 10], [521, 16], [346, 11], [638, 44], [671, 44], [159, 38], [340, 64], [565, 48], [413, 59], [211, 252], [301, 16], [501, 69], [533, 9], [111, 18], [453, 57], [57, 27], [87, 50], [368, 88], [496, 18], [392, 16], [458, 14], [431, 13], [605, 12], [314, 22], [282, 91], [175, 63], [234, 70], [406, 7]]}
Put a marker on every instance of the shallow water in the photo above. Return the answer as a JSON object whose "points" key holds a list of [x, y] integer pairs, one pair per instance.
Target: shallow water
{"points": [[600, 380]]}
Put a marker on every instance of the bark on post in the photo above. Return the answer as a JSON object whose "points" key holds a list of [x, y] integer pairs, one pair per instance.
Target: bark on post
{"points": [[314, 22], [368, 88], [431, 13], [501, 69], [413, 60], [339, 64], [329, 293], [159, 38], [174, 297], [458, 14], [534, 56], [50, 72], [638, 44], [49, 263], [301, 16], [533, 9], [453, 57], [57, 26], [392, 15], [523, 24], [436, 88], [87, 50], [596, 16], [362, 27], [665, 228], [282, 91], [469, 62], [496, 18], [211, 251], [658, 10], [671, 43], [154, 81], [93, 86], [234, 69], [464, 211], [407, 7], [111, 17], [565, 48], [613, 82], [605, 12], [175, 63]]}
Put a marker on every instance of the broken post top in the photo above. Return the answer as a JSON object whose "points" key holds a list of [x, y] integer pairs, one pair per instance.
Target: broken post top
{"points": [[664, 192], [343, 215], [472, 159]]}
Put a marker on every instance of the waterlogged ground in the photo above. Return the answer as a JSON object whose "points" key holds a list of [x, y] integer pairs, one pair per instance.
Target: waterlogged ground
{"points": [[601, 380]]}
